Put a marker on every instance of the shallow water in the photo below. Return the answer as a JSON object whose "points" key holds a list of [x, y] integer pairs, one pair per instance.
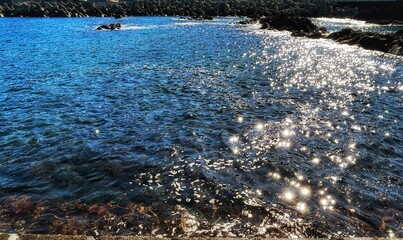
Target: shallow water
{"points": [[186, 128]]}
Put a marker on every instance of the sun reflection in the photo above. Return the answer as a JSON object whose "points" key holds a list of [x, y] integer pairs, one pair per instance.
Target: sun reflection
{"points": [[305, 191], [234, 139], [391, 234], [284, 144], [259, 126], [287, 133], [240, 119], [288, 196], [316, 161], [275, 175], [356, 128], [327, 202], [302, 207], [333, 179]]}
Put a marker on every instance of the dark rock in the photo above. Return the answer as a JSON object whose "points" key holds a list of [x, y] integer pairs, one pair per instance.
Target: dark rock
{"points": [[299, 26], [298, 34], [265, 25], [315, 35], [399, 33], [389, 43], [118, 16], [112, 26], [245, 22], [201, 18], [323, 30]]}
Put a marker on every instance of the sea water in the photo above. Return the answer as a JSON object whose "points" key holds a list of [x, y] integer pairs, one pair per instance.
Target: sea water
{"points": [[172, 127]]}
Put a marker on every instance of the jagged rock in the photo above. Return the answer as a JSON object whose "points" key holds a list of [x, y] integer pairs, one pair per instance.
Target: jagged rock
{"points": [[112, 26]]}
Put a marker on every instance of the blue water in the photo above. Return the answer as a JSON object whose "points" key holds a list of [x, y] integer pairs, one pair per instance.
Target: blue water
{"points": [[196, 128]]}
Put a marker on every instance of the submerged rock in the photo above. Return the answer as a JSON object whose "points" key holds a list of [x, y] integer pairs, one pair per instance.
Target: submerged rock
{"points": [[112, 26]]}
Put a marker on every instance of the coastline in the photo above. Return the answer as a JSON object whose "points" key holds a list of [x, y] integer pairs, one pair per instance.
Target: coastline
{"points": [[292, 17]]}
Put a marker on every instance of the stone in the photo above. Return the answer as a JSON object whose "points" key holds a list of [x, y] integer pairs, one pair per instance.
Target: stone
{"points": [[112, 26], [299, 26]]}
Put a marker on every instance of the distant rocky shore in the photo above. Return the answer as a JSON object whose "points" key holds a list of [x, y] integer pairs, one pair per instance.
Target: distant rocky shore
{"points": [[197, 9]]}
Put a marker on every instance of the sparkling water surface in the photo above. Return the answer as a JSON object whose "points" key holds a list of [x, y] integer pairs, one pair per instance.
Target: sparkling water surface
{"points": [[196, 128]]}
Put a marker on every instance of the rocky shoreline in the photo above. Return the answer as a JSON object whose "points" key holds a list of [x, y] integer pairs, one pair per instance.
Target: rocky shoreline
{"points": [[303, 27], [197, 9], [388, 43], [290, 16]]}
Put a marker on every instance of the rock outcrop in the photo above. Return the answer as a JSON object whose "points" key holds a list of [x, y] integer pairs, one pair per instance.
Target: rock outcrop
{"points": [[112, 26], [389, 43], [299, 26], [303, 27]]}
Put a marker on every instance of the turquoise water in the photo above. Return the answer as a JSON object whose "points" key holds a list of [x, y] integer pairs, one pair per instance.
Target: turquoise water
{"points": [[196, 128]]}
